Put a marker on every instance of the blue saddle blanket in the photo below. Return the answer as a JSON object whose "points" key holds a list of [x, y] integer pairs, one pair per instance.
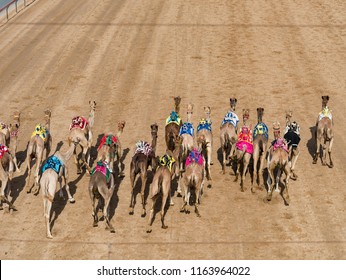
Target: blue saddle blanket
{"points": [[204, 124], [231, 118], [54, 163], [187, 128], [260, 129]]}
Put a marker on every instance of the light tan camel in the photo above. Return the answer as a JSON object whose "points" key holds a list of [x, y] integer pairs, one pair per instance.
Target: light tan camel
{"points": [[260, 147], [292, 137], [54, 170], [6, 175], [39, 148], [143, 158], [173, 124], [194, 176], [278, 160], [244, 151], [110, 149], [187, 137], [101, 186], [204, 131], [168, 169], [228, 133], [324, 134], [82, 129]]}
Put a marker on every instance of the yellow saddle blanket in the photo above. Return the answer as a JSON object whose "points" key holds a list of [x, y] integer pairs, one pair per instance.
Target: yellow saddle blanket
{"points": [[41, 131]]}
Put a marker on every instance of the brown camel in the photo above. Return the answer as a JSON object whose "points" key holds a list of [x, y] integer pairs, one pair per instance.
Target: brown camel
{"points": [[204, 131], [143, 157], [244, 150], [110, 149], [324, 134], [194, 175], [6, 175], [39, 148], [173, 124], [14, 130], [81, 128], [228, 133], [53, 171], [161, 184], [260, 146], [101, 186], [292, 137]]}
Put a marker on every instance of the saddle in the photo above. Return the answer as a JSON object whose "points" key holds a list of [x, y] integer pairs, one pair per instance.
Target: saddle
{"points": [[103, 167], [108, 140], [261, 129], [204, 124], [54, 163], [41, 131], [143, 147], [79, 122], [3, 150], [194, 156], [167, 160], [173, 118], [186, 128], [231, 118], [280, 143], [245, 140], [325, 113]]}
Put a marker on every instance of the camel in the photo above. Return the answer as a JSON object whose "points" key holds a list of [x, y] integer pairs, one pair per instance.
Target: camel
{"points": [[228, 133], [244, 150], [186, 133], [173, 124], [143, 157], [278, 159], [6, 175], [101, 186], [14, 130], [324, 134], [194, 176], [9, 136], [53, 171], [292, 137], [260, 146], [110, 148], [81, 128], [39, 148], [161, 184], [204, 131]]}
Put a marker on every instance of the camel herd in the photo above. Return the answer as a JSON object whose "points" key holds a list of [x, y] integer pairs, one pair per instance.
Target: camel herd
{"points": [[187, 160]]}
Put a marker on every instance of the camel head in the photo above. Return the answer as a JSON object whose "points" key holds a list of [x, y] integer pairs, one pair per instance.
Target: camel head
{"points": [[16, 116], [276, 129], [207, 111], [121, 125], [154, 129], [289, 114], [233, 103], [325, 99], [92, 105], [189, 108], [16, 122], [47, 114], [260, 113], [246, 115]]}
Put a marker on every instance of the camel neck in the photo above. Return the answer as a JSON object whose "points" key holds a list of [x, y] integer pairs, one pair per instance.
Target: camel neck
{"points": [[153, 142]]}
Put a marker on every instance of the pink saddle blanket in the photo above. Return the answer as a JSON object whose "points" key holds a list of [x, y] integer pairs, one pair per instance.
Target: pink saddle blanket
{"points": [[249, 146], [280, 143], [3, 150], [194, 156]]}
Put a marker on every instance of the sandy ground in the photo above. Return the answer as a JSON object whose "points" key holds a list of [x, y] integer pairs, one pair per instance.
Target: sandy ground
{"points": [[131, 57]]}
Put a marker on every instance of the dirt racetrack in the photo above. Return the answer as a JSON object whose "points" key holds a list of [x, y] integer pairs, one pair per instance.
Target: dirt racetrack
{"points": [[131, 57]]}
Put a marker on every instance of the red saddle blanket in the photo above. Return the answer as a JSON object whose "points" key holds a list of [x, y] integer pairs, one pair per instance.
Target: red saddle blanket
{"points": [[3, 150], [79, 122]]}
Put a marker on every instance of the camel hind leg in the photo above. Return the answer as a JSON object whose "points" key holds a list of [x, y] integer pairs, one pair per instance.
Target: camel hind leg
{"points": [[330, 152], [285, 194]]}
